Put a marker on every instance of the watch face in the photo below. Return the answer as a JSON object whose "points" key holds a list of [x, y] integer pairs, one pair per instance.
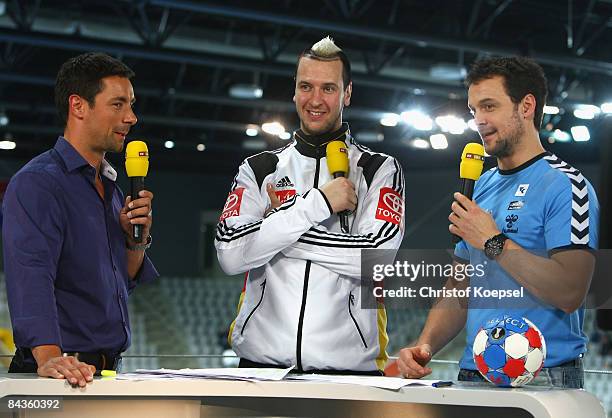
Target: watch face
{"points": [[494, 246]]}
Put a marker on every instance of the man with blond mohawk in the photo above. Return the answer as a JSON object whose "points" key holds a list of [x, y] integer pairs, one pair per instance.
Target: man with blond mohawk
{"points": [[301, 303]]}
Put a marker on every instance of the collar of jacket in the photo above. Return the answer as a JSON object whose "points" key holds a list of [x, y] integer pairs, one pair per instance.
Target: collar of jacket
{"points": [[315, 145]]}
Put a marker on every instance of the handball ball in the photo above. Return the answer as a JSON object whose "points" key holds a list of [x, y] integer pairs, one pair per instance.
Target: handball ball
{"points": [[509, 352]]}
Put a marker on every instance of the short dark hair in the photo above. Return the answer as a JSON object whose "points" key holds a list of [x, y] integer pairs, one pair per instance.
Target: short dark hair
{"points": [[521, 76], [83, 75], [326, 50]]}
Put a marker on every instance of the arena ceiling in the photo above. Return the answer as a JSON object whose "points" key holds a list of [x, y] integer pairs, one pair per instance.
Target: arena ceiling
{"points": [[189, 55]]}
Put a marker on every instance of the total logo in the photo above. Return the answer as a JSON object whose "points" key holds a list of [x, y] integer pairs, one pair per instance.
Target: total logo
{"points": [[232, 204], [390, 206]]}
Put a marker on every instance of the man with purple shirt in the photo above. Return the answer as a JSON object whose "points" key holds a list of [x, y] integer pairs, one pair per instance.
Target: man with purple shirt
{"points": [[70, 259]]}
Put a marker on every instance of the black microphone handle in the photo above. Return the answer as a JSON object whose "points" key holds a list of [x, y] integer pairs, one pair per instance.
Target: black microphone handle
{"points": [[137, 184], [344, 225], [467, 189]]}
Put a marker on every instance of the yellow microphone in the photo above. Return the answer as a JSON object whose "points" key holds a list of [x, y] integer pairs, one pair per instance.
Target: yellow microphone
{"points": [[337, 159], [470, 169], [136, 166], [336, 154]]}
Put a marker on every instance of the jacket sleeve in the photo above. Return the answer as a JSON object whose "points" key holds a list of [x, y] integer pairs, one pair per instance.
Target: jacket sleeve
{"points": [[380, 226], [246, 240]]}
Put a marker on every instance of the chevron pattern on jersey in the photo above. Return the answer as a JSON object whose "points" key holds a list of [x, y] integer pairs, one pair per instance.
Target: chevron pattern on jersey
{"points": [[580, 199]]}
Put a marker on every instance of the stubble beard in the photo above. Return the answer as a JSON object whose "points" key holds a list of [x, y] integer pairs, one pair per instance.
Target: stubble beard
{"points": [[505, 146]]}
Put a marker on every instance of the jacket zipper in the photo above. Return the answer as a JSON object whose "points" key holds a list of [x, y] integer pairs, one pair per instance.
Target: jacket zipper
{"points": [[263, 289], [298, 349], [352, 302]]}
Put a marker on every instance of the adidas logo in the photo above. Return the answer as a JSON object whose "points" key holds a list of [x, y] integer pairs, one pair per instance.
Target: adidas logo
{"points": [[285, 182]]}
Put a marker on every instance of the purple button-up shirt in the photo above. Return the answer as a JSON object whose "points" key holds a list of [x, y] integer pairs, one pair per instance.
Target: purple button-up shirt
{"points": [[65, 257]]}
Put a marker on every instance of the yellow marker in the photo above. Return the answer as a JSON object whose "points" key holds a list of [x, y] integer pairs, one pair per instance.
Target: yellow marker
{"points": [[108, 373]]}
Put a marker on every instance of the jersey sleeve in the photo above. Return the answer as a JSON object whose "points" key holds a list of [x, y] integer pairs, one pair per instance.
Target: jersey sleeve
{"points": [[461, 254], [246, 239], [380, 226], [571, 214]]}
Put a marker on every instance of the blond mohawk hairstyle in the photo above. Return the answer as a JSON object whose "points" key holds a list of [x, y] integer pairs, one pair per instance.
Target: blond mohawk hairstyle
{"points": [[326, 48]]}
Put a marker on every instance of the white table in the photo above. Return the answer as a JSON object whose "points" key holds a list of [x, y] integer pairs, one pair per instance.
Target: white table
{"points": [[192, 398]]}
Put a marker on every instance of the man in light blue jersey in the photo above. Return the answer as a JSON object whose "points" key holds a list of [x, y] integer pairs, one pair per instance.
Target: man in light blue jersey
{"points": [[533, 223]]}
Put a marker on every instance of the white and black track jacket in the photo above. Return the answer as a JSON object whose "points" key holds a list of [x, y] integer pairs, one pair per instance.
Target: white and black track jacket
{"points": [[301, 304]]}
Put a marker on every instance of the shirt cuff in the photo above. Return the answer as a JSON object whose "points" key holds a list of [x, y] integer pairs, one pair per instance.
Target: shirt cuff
{"points": [[329, 206], [35, 331], [147, 273]]}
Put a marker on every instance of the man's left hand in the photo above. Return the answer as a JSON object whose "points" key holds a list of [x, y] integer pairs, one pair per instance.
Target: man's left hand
{"points": [[137, 212], [470, 222]]}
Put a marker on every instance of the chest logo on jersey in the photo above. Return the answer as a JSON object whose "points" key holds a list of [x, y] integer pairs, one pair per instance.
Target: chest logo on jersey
{"points": [[516, 205], [285, 182], [232, 204], [511, 221], [521, 190], [390, 206]]}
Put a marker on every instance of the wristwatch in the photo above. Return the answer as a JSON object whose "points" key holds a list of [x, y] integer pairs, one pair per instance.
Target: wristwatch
{"points": [[140, 247], [494, 246]]}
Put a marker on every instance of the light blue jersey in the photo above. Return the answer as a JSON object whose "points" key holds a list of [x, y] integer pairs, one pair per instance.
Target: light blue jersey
{"points": [[544, 205]]}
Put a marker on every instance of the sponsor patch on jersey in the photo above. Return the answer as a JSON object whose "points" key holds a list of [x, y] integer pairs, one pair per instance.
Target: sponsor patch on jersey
{"points": [[284, 195], [516, 205], [511, 221], [390, 206], [521, 190], [232, 204]]}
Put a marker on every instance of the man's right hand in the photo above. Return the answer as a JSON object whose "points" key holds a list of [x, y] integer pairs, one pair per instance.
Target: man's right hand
{"points": [[69, 368], [412, 361], [51, 363], [340, 193]]}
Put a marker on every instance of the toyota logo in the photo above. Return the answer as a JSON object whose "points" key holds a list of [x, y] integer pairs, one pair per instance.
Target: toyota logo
{"points": [[394, 202], [231, 202]]}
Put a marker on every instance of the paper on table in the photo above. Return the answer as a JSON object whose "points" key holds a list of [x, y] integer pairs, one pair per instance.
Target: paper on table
{"points": [[394, 383], [219, 373]]}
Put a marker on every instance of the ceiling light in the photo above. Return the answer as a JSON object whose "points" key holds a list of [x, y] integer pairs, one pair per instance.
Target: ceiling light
{"points": [[472, 125], [586, 111], [200, 147], [273, 128], [417, 119], [7, 145], [169, 144], [606, 107], [285, 135], [580, 133], [551, 110], [369, 136], [246, 91], [447, 71], [420, 143], [254, 144], [252, 131], [390, 119], [438, 141], [561, 136], [451, 124]]}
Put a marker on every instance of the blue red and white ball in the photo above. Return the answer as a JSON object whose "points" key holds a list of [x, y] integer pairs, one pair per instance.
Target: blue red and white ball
{"points": [[509, 352]]}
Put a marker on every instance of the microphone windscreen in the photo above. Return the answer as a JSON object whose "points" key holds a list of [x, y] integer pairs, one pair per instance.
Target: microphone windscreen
{"points": [[136, 159], [472, 161], [337, 157]]}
